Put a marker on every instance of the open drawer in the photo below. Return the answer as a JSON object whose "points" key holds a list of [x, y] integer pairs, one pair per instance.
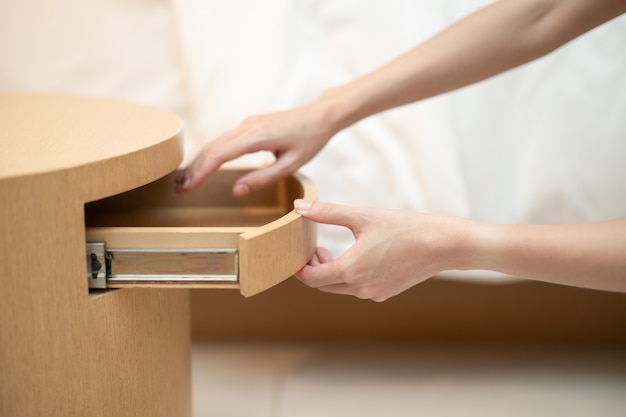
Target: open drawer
{"points": [[153, 237]]}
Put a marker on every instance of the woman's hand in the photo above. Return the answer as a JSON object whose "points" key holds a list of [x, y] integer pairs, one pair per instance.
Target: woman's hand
{"points": [[293, 136], [394, 250], [497, 38]]}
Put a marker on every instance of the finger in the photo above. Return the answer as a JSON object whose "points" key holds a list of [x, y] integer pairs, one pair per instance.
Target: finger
{"points": [[192, 176], [320, 275], [340, 289], [328, 213], [314, 261], [263, 177], [363, 294], [223, 149], [323, 255]]}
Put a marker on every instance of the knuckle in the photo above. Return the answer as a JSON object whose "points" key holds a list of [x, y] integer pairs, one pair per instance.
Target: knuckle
{"points": [[291, 164], [379, 298], [216, 156], [363, 293], [355, 281], [347, 277], [307, 280], [251, 120], [258, 133], [255, 126]]}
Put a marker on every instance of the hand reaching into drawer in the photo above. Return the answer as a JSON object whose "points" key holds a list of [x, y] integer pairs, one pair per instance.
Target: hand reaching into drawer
{"points": [[497, 38], [293, 136]]}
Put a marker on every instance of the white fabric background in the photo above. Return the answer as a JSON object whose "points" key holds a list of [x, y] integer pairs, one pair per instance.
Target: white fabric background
{"points": [[542, 143]]}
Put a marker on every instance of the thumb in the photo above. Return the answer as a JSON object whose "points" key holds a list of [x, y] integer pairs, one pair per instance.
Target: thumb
{"points": [[327, 213]]}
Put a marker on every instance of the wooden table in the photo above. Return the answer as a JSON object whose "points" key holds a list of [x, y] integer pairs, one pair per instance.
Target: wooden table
{"points": [[76, 172], [63, 351]]}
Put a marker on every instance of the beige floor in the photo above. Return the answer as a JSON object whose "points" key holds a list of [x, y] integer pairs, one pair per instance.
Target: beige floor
{"points": [[274, 380]]}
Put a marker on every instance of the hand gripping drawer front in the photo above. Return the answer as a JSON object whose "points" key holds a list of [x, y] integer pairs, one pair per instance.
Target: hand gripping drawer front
{"points": [[203, 239]]}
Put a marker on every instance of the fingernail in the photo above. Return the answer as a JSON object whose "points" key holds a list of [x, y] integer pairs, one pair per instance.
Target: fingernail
{"points": [[302, 206], [182, 182], [241, 189]]}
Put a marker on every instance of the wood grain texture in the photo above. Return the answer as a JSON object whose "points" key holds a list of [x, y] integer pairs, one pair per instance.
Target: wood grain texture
{"points": [[64, 352], [272, 253]]}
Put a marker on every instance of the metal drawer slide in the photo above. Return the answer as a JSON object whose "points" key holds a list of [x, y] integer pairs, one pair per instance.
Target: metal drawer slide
{"points": [[112, 267]]}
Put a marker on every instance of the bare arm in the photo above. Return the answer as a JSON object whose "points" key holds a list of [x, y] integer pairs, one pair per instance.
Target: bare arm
{"points": [[591, 255], [395, 250], [499, 37]]}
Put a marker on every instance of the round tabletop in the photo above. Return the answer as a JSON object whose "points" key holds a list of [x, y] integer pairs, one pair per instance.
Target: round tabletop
{"points": [[43, 133], [89, 137]]}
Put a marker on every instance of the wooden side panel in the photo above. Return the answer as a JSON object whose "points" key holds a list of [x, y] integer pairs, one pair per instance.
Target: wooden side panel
{"points": [[64, 352]]}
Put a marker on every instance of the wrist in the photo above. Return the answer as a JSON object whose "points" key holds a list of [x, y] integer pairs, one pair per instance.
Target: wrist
{"points": [[340, 107], [455, 243], [475, 245]]}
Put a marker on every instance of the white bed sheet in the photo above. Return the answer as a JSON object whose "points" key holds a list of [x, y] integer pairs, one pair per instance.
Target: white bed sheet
{"points": [[545, 143]]}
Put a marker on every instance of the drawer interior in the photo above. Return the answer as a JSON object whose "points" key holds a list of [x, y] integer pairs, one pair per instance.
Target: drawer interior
{"points": [[210, 205]]}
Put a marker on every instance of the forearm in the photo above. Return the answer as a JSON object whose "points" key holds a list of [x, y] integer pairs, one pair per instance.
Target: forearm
{"points": [[497, 38], [590, 255]]}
